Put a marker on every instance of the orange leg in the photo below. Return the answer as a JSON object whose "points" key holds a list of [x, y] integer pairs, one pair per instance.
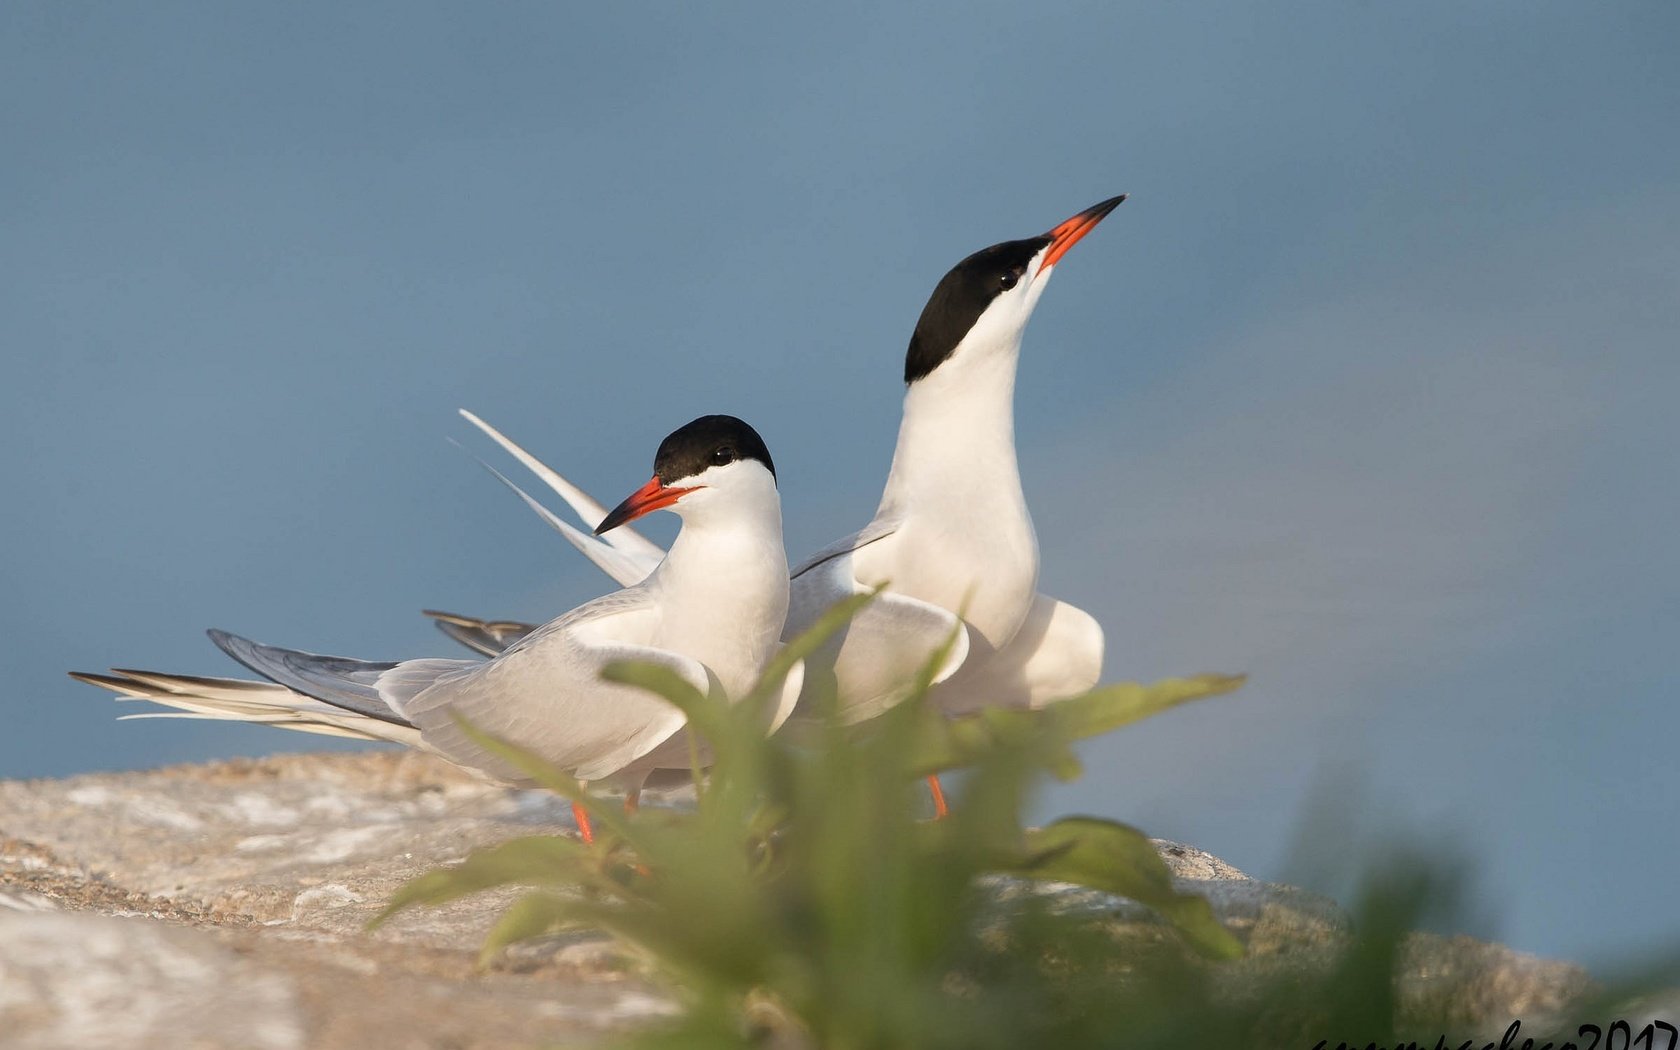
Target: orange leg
{"points": [[582, 818], [940, 810]]}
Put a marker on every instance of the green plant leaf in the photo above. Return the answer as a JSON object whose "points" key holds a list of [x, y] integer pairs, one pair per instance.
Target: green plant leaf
{"points": [[666, 684], [804, 878], [1109, 707], [551, 777], [530, 860], [966, 741], [838, 615], [1109, 856], [530, 916]]}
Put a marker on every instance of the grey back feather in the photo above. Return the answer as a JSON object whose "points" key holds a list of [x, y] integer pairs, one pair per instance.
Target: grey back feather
{"points": [[337, 680]]}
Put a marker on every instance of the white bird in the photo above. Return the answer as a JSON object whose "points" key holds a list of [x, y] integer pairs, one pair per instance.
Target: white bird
{"points": [[952, 536], [711, 610]]}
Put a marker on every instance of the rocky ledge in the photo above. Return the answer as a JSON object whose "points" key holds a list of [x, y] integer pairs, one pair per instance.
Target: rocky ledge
{"points": [[224, 905]]}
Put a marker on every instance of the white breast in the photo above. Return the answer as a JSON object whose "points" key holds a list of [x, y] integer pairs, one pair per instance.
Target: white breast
{"points": [[722, 599]]}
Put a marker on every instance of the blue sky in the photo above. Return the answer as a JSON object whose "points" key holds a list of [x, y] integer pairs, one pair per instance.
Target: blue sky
{"points": [[1367, 391]]}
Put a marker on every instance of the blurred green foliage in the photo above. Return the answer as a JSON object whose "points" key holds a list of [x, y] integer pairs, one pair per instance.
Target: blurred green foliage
{"points": [[803, 902]]}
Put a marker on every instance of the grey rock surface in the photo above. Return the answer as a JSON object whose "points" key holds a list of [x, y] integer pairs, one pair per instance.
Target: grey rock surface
{"points": [[225, 905], [83, 980], [235, 895]]}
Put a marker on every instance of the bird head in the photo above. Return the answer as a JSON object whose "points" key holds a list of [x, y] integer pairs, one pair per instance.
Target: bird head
{"points": [[710, 462], [987, 299]]}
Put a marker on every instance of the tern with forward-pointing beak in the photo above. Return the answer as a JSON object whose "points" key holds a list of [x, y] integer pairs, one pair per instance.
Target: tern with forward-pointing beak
{"points": [[711, 610], [952, 536]]}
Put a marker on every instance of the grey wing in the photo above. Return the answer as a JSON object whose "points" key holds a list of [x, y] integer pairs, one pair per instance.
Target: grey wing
{"points": [[1057, 653], [616, 613], [878, 529], [870, 662], [337, 680], [372, 689], [494, 637], [545, 694]]}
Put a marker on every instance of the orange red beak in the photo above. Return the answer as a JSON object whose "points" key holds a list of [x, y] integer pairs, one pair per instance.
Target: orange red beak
{"points": [[1068, 233], [655, 495]]}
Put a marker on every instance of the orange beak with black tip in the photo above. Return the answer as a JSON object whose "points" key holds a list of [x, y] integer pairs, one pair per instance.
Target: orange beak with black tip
{"points": [[1067, 234], [655, 495]]}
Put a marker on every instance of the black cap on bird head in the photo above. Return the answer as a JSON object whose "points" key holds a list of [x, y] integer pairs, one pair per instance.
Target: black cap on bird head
{"points": [[710, 441], [963, 294], [687, 452]]}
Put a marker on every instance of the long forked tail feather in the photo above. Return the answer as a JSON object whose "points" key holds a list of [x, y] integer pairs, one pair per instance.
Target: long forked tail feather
{"points": [[626, 569], [232, 699], [582, 503], [336, 680], [624, 554]]}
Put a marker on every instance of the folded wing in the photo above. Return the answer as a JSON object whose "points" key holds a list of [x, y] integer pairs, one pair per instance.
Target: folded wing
{"points": [[875, 657], [545, 694], [1057, 653]]}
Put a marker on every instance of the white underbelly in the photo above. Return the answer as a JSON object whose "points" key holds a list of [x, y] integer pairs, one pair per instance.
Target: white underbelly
{"points": [[988, 576]]}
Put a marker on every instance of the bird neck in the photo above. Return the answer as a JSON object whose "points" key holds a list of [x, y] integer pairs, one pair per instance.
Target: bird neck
{"points": [[724, 591], [715, 548], [957, 439]]}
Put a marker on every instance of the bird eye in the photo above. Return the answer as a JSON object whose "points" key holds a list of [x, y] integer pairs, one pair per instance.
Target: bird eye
{"points": [[1009, 278], [722, 456]]}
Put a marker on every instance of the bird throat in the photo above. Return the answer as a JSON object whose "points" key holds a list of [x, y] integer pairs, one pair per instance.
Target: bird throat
{"points": [[955, 486]]}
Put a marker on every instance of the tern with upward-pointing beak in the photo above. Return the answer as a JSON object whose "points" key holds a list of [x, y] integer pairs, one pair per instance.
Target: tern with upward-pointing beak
{"points": [[952, 535], [711, 610]]}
